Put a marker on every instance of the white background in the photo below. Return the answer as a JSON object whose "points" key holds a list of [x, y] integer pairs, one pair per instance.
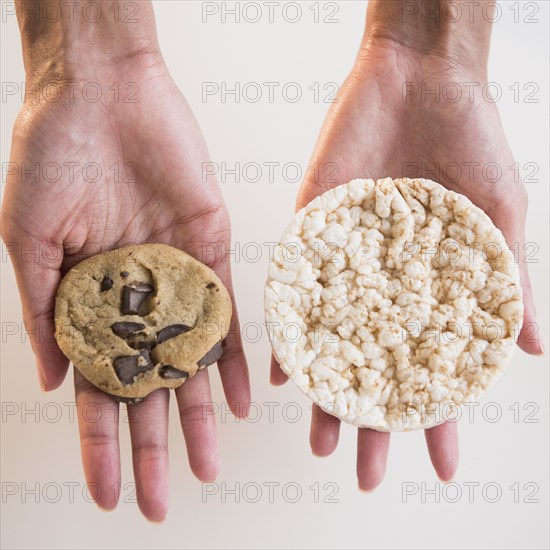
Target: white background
{"points": [[34, 450]]}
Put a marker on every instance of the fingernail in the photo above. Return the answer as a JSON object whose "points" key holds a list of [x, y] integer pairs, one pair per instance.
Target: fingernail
{"points": [[104, 509], [156, 521], [445, 481], [209, 479], [317, 455]]}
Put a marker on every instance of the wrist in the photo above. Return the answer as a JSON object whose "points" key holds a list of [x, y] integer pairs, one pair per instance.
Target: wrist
{"points": [[61, 39], [454, 32]]}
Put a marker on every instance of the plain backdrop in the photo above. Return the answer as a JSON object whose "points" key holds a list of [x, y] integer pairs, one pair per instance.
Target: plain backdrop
{"points": [[271, 492]]}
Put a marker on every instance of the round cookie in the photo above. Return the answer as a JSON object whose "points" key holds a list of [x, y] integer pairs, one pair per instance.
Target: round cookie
{"points": [[140, 318], [392, 302]]}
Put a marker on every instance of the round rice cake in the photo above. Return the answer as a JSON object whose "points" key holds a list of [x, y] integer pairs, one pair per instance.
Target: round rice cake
{"points": [[141, 317], [392, 302]]}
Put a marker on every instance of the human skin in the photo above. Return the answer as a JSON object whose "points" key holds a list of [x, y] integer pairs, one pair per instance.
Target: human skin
{"points": [[160, 197], [382, 125]]}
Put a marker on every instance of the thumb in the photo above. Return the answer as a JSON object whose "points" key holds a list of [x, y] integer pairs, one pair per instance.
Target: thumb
{"points": [[513, 229], [530, 338], [37, 270]]}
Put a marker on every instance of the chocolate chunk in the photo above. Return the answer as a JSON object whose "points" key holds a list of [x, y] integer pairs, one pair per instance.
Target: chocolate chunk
{"points": [[107, 283], [140, 341], [128, 367], [171, 373], [133, 297], [124, 274], [210, 285], [171, 331], [134, 335], [212, 356], [126, 328], [128, 400]]}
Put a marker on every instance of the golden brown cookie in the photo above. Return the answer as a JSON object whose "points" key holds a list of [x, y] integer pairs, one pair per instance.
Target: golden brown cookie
{"points": [[140, 318]]}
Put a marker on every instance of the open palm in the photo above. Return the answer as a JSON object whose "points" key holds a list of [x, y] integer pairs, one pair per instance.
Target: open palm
{"points": [[127, 168], [382, 125]]}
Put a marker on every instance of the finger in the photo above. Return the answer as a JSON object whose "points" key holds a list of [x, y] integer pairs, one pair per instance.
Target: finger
{"points": [[442, 444], [530, 337], [149, 434], [232, 365], [372, 457], [277, 377], [324, 432], [199, 426], [36, 265], [98, 426]]}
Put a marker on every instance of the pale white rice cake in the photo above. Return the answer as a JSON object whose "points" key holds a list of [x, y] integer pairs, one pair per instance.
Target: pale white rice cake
{"points": [[392, 302]]}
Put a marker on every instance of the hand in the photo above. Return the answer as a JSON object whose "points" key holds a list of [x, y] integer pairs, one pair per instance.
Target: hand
{"points": [[150, 189], [380, 126]]}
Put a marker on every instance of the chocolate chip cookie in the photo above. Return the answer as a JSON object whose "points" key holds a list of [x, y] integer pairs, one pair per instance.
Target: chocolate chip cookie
{"points": [[140, 318]]}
